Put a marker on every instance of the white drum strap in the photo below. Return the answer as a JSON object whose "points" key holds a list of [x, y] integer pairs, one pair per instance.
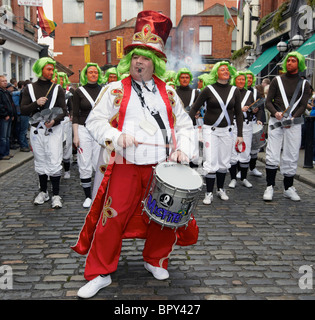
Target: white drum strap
{"points": [[193, 94], [223, 105], [285, 98], [53, 99], [87, 96], [244, 101], [255, 93]]}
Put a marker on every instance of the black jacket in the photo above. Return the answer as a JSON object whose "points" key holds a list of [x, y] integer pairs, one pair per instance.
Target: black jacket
{"points": [[6, 104]]}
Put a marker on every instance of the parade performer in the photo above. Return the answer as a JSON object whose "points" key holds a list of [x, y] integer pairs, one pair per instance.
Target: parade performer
{"points": [[84, 99], [240, 81], [127, 117], [45, 136], [251, 82], [64, 82], [286, 101], [111, 75], [223, 101], [183, 80]]}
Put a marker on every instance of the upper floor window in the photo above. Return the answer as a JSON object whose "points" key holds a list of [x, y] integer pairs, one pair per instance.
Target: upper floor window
{"points": [[73, 11], [205, 40], [191, 6]]}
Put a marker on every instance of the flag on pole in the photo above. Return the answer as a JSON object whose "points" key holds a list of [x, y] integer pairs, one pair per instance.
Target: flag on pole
{"points": [[48, 26], [227, 19], [240, 6]]}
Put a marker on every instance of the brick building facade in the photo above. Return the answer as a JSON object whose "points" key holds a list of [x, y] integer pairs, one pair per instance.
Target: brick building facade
{"points": [[18, 40], [99, 22]]}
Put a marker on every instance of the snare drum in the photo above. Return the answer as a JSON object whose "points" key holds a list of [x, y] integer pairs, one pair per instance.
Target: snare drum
{"points": [[173, 194], [259, 139]]}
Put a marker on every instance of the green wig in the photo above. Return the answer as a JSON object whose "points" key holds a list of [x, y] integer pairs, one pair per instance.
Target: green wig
{"points": [[205, 79], [181, 71], [169, 75], [109, 71], [40, 64], [237, 74], [65, 78], [299, 57], [159, 64], [254, 77], [83, 76], [213, 77]]}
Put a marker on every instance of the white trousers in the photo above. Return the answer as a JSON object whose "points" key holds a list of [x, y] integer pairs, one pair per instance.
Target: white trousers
{"points": [[218, 145], [67, 138], [195, 152], [243, 157], [47, 150], [287, 139], [87, 160]]}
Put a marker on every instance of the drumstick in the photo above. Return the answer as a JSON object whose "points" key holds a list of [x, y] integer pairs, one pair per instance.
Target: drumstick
{"points": [[156, 145], [49, 90]]}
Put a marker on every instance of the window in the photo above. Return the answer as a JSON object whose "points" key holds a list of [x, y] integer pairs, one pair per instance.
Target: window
{"points": [[205, 40], [191, 6], [73, 11], [6, 3], [27, 13], [108, 51], [77, 41], [234, 37], [130, 9], [98, 15]]}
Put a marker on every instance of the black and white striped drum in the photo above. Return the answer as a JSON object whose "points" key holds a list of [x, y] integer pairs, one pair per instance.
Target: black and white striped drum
{"points": [[173, 194]]}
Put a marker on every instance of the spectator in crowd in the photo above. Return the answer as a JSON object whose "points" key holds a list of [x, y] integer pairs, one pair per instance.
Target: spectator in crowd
{"points": [[6, 118]]}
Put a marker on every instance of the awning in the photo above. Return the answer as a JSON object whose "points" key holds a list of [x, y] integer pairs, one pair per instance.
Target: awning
{"points": [[263, 60], [308, 46]]}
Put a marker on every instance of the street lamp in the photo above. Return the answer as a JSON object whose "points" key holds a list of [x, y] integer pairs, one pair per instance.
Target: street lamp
{"points": [[282, 46], [297, 40]]}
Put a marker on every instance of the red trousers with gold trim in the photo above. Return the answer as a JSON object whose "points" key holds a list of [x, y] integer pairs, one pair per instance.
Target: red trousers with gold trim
{"points": [[123, 219]]}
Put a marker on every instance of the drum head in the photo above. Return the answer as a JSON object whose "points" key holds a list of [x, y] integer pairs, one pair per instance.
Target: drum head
{"points": [[257, 127], [179, 176]]}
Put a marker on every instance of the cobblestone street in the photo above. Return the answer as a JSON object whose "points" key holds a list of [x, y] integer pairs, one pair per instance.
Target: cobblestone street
{"points": [[247, 249]]}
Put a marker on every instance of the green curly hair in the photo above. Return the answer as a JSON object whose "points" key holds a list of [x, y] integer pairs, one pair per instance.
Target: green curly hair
{"points": [[40, 64], [181, 71], [297, 55], [254, 77], [109, 71], [237, 74], [213, 76], [65, 78], [159, 64], [205, 79], [169, 75], [83, 76]]}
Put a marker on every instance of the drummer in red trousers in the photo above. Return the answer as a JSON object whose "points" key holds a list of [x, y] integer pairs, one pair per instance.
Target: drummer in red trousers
{"points": [[130, 117]]}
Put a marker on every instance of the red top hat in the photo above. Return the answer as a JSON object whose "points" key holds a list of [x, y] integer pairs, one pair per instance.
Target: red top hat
{"points": [[151, 32]]}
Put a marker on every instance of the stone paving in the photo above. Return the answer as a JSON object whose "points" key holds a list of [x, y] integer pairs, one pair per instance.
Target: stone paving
{"points": [[247, 249]]}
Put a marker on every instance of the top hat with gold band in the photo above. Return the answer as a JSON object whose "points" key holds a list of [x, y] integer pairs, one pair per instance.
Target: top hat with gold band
{"points": [[151, 32]]}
